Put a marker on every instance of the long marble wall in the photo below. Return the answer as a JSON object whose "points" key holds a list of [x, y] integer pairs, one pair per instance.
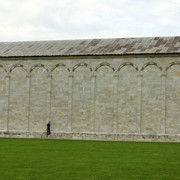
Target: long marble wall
{"points": [[85, 95]]}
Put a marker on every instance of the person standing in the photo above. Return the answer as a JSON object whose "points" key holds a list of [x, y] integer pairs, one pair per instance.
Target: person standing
{"points": [[48, 128]]}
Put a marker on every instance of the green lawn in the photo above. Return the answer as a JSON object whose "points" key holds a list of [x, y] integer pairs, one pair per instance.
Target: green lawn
{"points": [[87, 160]]}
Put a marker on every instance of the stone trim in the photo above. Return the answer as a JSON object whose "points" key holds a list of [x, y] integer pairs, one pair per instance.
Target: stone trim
{"points": [[95, 136]]}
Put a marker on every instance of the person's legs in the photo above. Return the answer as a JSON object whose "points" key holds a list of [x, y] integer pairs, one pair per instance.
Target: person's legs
{"points": [[48, 132]]}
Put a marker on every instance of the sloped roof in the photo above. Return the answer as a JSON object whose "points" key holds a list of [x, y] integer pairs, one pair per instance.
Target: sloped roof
{"points": [[116, 46]]}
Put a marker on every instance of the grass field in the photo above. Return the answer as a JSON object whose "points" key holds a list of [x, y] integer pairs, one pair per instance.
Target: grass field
{"points": [[87, 160]]}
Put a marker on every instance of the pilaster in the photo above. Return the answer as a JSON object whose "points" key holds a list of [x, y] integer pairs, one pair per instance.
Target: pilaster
{"points": [[7, 100], [28, 77], [163, 114], [139, 103], [93, 84], [115, 102], [49, 86], [71, 76]]}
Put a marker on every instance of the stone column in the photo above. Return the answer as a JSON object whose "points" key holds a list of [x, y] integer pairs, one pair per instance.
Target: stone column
{"points": [[139, 103], [93, 85], [70, 102], [49, 86], [115, 103], [28, 77], [7, 99], [163, 115]]}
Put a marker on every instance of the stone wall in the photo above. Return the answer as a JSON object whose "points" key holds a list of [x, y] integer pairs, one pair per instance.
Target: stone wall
{"points": [[106, 94]]}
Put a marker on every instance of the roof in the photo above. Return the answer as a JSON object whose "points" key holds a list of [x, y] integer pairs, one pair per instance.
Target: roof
{"points": [[116, 46]]}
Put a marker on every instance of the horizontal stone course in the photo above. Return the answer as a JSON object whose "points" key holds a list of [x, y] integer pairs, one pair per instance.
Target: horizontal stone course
{"points": [[96, 136]]}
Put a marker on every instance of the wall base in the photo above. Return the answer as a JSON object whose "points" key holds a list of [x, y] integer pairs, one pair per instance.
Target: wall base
{"points": [[95, 136]]}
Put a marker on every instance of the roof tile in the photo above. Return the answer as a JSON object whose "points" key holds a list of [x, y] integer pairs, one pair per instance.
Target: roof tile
{"points": [[116, 46]]}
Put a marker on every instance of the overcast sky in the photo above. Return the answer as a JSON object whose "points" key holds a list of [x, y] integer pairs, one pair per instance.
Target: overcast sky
{"points": [[27, 20]]}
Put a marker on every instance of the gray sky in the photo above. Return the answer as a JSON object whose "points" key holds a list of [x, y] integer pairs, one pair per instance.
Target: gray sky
{"points": [[27, 20]]}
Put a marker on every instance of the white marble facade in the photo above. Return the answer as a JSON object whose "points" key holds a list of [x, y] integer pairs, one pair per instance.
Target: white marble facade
{"points": [[95, 94]]}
